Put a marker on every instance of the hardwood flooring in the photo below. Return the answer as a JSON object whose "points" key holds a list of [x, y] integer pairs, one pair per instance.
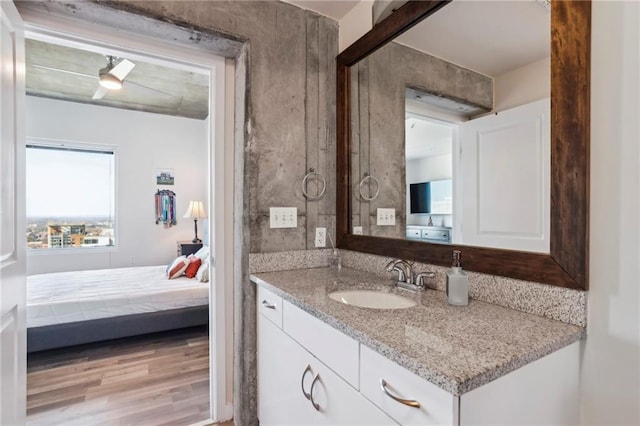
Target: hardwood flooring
{"points": [[157, 379]]}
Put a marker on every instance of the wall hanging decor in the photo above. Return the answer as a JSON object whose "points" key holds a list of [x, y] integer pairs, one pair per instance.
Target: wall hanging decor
{"points": [[165, 177], [166, 207]]}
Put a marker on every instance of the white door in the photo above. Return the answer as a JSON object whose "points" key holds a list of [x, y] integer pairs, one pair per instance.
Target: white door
{"points": [[340, 404], [505, 192], [13, 375], [283, 376]]}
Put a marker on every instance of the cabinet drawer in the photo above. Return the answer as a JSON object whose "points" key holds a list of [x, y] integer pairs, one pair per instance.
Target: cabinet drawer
{"points": [[439, 235], [335, 349], [436, 405], [270, 306], [413, 233]]}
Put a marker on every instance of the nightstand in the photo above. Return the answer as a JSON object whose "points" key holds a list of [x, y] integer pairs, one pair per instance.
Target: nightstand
{"points": [[185, 248]]}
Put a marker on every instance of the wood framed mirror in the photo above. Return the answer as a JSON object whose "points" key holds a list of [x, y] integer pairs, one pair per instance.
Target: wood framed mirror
{"points": [[566, 265]]}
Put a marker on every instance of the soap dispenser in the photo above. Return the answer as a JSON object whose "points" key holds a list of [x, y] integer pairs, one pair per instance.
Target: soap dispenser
{"points": [[457, 283]]}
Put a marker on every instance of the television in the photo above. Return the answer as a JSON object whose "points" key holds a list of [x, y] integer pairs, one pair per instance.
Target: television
{"points": [[434, 197]]}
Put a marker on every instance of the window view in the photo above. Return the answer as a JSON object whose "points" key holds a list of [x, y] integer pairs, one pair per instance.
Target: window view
{"points": [[70, 197]]}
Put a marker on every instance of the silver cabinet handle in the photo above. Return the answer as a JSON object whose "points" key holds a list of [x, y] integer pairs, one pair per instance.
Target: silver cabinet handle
{"points": [[268, 305], [315, 404], [306, 370], [409, 402]]}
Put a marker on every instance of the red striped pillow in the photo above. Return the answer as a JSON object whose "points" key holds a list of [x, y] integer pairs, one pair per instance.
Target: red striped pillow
{"points": [[178, 267]]}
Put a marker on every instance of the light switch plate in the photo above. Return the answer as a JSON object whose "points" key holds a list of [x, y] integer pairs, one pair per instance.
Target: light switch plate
{"points": [[386, 217], [321, 237], [357, 230], [283, 217]]}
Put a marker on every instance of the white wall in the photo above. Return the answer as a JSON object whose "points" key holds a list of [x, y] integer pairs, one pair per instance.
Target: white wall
{"points": [[610, 367], [355, 23], [522, 86], [145, 142]]}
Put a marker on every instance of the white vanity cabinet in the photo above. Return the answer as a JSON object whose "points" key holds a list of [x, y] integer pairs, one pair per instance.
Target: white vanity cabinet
{"points": [[544, 392], [311, 373], [296, 388]]}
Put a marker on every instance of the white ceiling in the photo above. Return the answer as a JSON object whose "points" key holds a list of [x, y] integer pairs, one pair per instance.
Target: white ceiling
{"points": [[489, 37], [426, 138]]}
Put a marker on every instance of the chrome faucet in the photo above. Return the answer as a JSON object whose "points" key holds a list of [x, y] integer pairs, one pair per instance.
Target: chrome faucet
{"points": [[406, 278], [421, 276], [403, 268]]}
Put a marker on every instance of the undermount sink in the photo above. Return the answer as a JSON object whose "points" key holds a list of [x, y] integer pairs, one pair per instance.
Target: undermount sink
{"points": [[372, 299]]}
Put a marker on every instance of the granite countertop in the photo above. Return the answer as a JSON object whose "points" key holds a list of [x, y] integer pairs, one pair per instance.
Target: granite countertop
{"points": [[456, 348]]}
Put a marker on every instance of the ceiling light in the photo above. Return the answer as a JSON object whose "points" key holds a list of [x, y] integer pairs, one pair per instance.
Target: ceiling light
{"points": [[109, 81]]}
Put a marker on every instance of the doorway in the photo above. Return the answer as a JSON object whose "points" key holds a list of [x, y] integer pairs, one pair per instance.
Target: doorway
{"points": [[219, 317]]}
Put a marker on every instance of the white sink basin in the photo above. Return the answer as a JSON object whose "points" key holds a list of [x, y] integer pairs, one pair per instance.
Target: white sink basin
{"points": [[372, 299]]}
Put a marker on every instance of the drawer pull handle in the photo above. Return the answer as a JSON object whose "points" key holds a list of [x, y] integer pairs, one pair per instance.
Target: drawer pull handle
{"points": [[315, 404], [268, 305], [306, 370], [409, 402]]}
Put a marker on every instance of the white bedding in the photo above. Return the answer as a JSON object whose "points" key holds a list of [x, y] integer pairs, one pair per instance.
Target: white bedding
{"points": [[63, 297]]}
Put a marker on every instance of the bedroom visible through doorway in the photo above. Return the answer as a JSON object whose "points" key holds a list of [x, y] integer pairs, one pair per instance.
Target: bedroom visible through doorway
{"points": [[168, 137]]}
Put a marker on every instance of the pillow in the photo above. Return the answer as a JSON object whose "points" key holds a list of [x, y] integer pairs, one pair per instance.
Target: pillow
{"points": [[177, 267], [193, 267], [203, 273], [203, 254]]}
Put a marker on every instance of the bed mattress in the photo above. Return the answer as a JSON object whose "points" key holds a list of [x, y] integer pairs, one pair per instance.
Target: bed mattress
{"points": [[65, 297]]}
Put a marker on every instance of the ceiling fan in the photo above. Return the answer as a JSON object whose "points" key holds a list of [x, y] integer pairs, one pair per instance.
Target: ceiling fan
{"points": [[111, 77]]}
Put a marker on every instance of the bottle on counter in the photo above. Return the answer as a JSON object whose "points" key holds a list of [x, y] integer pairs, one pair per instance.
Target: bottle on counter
{"points": [[334, 260], [457, 283]]}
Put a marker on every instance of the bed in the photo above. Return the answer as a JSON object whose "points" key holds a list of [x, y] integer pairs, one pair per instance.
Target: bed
{"points": [[71, 308]]}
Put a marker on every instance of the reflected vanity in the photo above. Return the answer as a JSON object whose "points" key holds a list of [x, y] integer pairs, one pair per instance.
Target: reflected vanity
{"points": [[388, 87]]}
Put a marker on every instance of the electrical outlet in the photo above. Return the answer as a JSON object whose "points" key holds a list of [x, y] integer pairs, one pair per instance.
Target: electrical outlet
{"points": [[132, 260], [357, 230], [386, 217], [283, 217], [321, 237]]}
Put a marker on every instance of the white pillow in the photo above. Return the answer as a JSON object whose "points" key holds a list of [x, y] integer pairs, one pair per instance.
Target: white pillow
{"points": [[203, 254], [203, 273], [178, 267]]}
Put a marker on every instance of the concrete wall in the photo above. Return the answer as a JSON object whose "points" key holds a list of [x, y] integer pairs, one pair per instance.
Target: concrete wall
{"points": [[291, 107], [378, 131], [144, 142], [285, 124]]}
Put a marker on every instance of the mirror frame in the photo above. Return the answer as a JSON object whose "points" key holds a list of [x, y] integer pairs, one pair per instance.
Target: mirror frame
{"points": [[567, 263]]}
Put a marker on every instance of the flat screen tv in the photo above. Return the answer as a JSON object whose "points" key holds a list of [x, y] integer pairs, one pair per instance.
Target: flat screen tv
{"points": [[434, 197]]}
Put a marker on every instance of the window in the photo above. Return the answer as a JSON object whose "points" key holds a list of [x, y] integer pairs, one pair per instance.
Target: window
{"points": [[70, 196]]}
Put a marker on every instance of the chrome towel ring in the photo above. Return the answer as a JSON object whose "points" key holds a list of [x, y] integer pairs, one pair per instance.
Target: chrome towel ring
{"points": [[367, 177], [312, 173]]}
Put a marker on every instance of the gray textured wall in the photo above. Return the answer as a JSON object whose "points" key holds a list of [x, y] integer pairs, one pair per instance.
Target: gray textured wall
{"points": [[291, 107], [379, 85], [285, 99]]}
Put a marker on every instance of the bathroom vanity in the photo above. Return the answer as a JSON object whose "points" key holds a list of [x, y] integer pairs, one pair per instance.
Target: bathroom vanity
{"points": [[321, 361]]}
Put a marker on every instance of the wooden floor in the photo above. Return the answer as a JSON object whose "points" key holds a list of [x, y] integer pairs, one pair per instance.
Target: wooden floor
{"points": [[158, 379]]}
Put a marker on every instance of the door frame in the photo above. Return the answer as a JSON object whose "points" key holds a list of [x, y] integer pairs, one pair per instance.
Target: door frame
{"points": [[82, 34]]}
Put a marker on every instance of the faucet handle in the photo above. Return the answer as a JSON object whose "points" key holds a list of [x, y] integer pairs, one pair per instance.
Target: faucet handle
{"points": [[422, 275]]}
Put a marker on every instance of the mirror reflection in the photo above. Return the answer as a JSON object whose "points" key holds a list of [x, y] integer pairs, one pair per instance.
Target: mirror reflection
{"points": [[450, 130]]}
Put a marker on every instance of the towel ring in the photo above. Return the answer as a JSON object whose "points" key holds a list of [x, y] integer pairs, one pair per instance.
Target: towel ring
{"points": [[321, 178], [366, 178]]}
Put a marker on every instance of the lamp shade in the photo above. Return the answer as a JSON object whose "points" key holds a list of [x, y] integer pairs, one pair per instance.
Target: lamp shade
{"points": [[195, 210]]}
